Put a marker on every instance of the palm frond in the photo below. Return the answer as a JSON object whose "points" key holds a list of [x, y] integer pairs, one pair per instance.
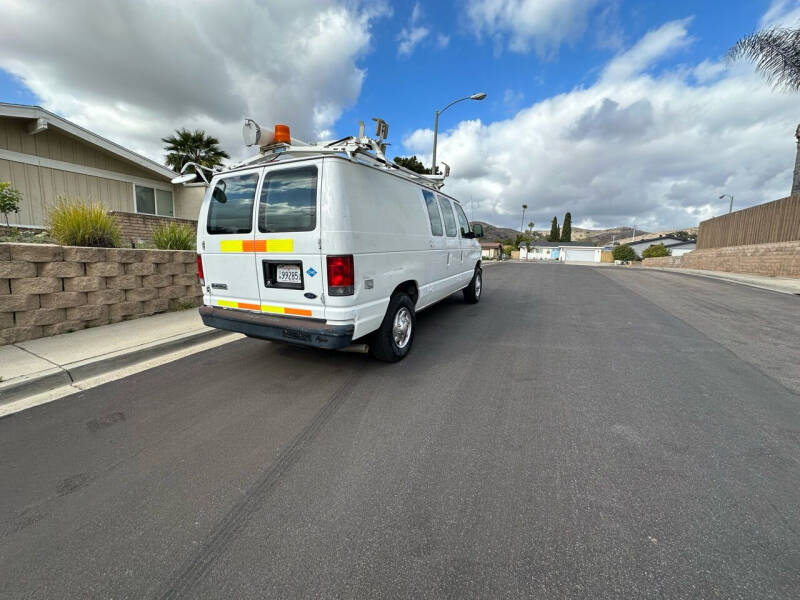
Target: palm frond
{"points": [[775, 53]]}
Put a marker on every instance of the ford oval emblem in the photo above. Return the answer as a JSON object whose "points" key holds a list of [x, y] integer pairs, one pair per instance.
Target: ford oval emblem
{"points": [[309, 295]]}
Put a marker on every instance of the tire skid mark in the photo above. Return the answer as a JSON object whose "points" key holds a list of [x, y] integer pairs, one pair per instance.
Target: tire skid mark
{"points": [[221, 536]]}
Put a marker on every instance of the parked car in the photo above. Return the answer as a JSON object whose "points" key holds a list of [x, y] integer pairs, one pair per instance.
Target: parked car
{"points": [[323, 250]]}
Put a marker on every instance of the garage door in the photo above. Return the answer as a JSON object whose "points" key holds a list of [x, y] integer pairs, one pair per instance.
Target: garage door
{"points": [[579, 255]]}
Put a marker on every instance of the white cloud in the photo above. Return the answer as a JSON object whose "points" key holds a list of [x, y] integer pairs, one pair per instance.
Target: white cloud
{"points": [[409, 38], [541, 24], [135, 71], [635, 147], [442, 40], [655, 45]]}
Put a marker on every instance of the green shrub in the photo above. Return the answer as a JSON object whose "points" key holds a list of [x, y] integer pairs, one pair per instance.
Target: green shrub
{"points": [[174, 236], [73, 222], [655, 251], [624, 252], [10, 199]]}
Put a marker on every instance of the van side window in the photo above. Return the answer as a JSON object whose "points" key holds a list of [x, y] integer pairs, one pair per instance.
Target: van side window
{"points": [[231, 208], [433, 213], [462, 219], [447, 213], [288, 201]]}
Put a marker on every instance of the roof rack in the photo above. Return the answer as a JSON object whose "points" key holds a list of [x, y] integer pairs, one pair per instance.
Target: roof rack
{"points": [[356, 148]]}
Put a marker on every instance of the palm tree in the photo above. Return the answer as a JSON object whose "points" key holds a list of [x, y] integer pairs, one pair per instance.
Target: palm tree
{"points": [[192, 146], [776, 54], [530, 227], [524, 208]]}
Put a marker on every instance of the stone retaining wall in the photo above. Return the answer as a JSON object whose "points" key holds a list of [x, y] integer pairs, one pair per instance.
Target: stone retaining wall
{"points": [[780, 259], [139, 228], [47, 289]]}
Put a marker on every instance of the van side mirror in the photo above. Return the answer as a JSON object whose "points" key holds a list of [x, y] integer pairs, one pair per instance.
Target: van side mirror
{"points": [[477, 229]]}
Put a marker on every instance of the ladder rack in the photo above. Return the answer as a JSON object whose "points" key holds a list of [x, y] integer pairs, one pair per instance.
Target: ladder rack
{"points": [[357, 149]]}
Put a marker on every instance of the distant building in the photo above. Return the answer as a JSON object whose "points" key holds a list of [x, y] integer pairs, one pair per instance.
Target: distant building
{"points": [[491, 250], [677, 246], [561, 251]]}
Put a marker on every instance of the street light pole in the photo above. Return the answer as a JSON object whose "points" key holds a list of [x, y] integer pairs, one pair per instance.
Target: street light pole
{"points": [[730, 208], [478, 96]]}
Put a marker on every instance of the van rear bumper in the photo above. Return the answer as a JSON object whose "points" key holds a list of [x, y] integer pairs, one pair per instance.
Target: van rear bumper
{"points": [[304, 332]]}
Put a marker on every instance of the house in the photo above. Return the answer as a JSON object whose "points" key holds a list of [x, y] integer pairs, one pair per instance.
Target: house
{"points": [[492, 250], [562, 251], [45, 156], [676, 245]]}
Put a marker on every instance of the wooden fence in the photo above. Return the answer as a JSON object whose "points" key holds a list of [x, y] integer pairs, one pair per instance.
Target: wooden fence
{"points": [[777, 221]]}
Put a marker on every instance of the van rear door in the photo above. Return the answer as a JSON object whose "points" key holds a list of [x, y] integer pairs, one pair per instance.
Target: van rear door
{"points": [[227, 244], [289, 264]]}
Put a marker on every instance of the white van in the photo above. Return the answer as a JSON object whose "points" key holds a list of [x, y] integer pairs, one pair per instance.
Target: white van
{"points": [[323, 248]]}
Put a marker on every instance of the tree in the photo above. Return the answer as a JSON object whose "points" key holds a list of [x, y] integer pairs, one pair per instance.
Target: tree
{"points": [[655, 251], [524, 208], [10, 199], [776, 54], [411, 163], [555, 235], [566, 230], [530, 227], [192, 146], [624, 252]]}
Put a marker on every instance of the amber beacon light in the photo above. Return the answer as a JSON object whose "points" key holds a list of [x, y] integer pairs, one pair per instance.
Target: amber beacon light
{"points": [[282, 134]]}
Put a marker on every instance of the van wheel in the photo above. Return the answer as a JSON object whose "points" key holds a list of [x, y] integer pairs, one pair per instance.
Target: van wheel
{"points": [[472, 293], [393, 339]]}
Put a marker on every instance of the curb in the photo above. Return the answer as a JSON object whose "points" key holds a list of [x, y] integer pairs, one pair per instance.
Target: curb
{"points": [[28, 385]]}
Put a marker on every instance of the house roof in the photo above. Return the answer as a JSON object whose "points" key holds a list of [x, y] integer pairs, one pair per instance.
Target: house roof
{"points": [[490, 244], [23, 111], [560, 245], [661, 238]]}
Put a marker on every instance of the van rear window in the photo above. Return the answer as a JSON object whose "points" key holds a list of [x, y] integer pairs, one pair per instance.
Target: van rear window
{"points": [[231, 208], [288, 201]]}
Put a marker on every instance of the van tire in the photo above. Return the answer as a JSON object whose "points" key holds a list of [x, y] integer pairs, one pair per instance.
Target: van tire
{"points": [[472, 293], [384, 345]]}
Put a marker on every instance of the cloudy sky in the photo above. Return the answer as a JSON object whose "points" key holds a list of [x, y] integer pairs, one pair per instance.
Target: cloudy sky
{"points": [[623, 112]]}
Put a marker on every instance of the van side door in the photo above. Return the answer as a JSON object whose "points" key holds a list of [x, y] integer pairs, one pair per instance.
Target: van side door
{"points": [[225, 236], [453, 262], [435, 286], [470, 247]]}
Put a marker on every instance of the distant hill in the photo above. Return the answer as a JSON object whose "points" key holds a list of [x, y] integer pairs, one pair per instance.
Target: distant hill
{"points": [[598, 237]]}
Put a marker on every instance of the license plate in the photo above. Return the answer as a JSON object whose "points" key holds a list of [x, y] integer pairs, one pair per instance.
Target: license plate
{"points": [[288, 274]]}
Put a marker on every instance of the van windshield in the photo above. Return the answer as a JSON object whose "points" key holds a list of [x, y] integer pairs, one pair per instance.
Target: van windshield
{"points": [[231, 208], [288, 201]]}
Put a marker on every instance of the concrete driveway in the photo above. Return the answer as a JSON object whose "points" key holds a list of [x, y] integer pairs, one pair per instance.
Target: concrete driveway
{"points": [[581, 433]]}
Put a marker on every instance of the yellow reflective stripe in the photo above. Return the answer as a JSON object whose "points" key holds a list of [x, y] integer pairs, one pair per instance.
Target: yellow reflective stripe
{"points": [[256, 245], [272, 309], [281, 310], [280, 245], [231, 245]]}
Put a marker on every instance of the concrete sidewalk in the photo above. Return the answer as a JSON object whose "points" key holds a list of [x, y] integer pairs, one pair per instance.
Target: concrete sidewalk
{"points": [[40, 365], [786, 285]]}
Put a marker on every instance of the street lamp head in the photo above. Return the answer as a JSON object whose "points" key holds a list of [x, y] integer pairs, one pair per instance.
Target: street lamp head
{"points": [[721, 197], [478, 96]]}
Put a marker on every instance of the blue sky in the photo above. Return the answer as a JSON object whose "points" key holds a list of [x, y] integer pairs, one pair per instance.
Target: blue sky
{"points": [[621, 111]]}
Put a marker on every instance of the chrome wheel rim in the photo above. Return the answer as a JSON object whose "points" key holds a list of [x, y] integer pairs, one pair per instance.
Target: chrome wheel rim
{"points": [[478, 284], [401, 329]]}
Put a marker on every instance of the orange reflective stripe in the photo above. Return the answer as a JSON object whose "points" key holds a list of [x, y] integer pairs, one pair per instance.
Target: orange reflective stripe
{"points": [[256, 246], [280, 310]]}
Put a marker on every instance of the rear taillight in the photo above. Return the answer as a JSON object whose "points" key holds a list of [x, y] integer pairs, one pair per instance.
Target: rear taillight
{"points": [[341, 275], [200, 275]]}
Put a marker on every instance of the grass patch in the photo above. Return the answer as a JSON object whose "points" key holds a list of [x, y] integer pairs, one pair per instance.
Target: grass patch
{"points": [[76, 223], [174, 236]]}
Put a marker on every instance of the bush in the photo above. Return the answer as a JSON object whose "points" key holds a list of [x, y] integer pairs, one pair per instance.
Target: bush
{"points": [[624, 252], [75, 223], [174, 236], [655, 251]]}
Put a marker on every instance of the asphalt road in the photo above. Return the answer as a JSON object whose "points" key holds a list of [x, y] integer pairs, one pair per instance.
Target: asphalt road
{"points": [[581, 433]]}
